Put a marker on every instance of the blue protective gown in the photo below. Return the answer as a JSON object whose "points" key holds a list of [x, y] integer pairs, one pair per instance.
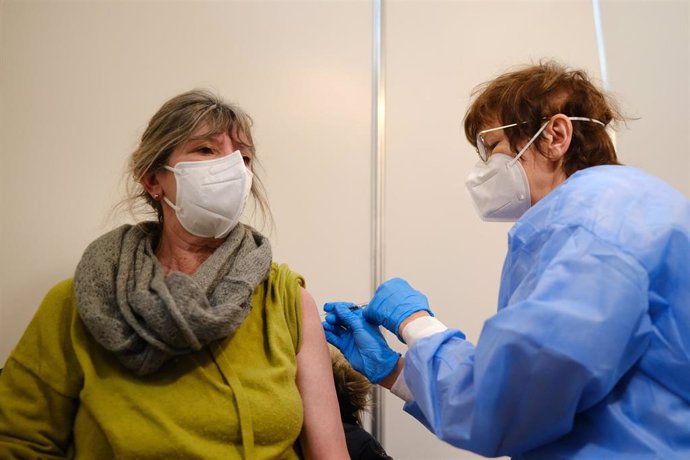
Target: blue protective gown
{"points": [[589, 353]]}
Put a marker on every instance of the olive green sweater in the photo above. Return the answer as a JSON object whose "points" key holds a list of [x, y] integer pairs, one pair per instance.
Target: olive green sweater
{"points": [[62, 395]]}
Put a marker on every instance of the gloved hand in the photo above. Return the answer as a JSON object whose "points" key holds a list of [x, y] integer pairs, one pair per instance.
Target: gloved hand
{"points": [[361, 342], [393, 302]]}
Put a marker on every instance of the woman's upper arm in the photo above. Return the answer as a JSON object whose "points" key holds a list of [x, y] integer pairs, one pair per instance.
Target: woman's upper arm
{"points": [[322, 434]]}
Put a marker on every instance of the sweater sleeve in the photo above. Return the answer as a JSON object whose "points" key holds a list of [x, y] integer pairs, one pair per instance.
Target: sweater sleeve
{"points": [[285, 292], [40, 383]]}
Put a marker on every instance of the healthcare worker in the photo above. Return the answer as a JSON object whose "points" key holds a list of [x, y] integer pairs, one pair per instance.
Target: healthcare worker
{"points": [[588, 356]]}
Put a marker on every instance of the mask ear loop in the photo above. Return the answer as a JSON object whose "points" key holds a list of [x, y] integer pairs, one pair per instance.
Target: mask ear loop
{"points": [[165, 198], [524, 149]]}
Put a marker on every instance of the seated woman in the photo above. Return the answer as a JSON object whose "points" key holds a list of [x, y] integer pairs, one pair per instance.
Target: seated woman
{"points": [[177, 338]]}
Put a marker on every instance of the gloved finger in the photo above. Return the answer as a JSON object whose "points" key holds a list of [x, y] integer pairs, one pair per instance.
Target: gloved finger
{"points": [[334, 340], [330, 306], [335, 323], [332, 328], [385, 290], [416, 298], [391, 293], [333, 319], [390, 287], [350, 318], [372, 315]]}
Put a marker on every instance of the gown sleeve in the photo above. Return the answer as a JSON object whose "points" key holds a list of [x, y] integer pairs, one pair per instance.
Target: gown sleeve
{"points": [[558, 347]]}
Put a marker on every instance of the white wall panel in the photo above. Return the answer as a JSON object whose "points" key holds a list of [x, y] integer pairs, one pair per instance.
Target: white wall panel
{"points": [[648, 53], [80, 80]]}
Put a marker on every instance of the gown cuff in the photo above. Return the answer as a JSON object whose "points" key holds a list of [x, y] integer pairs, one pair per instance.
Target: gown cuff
{"points": [[400, 388]]}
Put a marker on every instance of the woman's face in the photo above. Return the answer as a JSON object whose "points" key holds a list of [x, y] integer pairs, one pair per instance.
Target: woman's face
{"points": [[543, 173], [215, 147], [162, 183]]}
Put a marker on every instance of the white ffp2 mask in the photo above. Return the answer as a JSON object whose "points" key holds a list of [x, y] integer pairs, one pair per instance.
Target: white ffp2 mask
{"points": [[499, 188], [211, 194]]}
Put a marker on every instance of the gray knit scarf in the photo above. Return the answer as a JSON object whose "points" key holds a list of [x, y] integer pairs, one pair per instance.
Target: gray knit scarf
{"points": [[144, 315]]}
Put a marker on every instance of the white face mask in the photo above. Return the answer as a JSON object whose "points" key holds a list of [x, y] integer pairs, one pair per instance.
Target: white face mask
{"points": [[211, 194], [499, 188]]}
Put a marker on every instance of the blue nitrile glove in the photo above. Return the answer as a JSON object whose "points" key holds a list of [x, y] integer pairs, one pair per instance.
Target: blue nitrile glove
{"points": [[361, 342], [393, 302]]}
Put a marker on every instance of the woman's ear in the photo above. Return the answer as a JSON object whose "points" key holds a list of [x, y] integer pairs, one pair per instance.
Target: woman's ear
{"points": [[557, 136], [151, 184]]}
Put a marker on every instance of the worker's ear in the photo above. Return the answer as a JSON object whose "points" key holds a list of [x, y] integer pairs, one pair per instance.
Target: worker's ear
{"points": [[556, 137]]}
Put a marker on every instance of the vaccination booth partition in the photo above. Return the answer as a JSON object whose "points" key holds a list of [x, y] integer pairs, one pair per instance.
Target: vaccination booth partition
{"points": [[357, 109]]}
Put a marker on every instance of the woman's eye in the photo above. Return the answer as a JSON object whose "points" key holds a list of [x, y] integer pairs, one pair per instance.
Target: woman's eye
{"points": [[204, 150]]}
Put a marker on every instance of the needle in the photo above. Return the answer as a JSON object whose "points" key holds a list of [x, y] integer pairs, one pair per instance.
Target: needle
{"points": [[351, 308]]}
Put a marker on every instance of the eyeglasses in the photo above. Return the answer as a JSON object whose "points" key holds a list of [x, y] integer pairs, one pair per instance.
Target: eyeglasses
{"points": [[483, 149]]}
